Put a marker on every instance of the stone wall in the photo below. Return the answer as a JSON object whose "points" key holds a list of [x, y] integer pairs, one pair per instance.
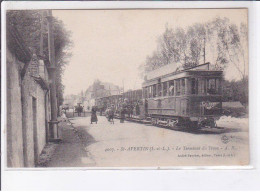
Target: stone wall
{"points": [[41, 132], [14, 113], [26, 127]]}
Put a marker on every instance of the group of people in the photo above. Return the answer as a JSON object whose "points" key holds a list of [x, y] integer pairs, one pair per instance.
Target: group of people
{"points": [[110, 111], [122, 109]]}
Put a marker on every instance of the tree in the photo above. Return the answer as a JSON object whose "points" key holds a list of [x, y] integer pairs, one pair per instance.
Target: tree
{"points": [[28, 24], [231, 42], [218, 41], [235, 91]]}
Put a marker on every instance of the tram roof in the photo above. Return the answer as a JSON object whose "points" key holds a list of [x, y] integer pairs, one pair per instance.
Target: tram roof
{"points": [[172, 70], [109, 95]]}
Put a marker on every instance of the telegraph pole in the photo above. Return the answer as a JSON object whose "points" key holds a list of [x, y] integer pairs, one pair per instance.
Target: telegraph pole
{"points": [[41, 35], [204, 50], [52, 69], [123, 88]]}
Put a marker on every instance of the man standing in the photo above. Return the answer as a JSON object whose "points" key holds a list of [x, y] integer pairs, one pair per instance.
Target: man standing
{"points": [[94, 115]]}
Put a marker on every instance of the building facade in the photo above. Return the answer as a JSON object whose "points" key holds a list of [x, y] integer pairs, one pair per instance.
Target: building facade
{"points": [[28, 104]]}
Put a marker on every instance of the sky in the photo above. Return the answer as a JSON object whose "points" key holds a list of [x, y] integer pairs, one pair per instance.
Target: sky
{"points": [[110, 45]]}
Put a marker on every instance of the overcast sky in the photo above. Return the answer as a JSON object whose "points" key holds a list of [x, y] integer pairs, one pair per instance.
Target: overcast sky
{"points": [[110, 45]]}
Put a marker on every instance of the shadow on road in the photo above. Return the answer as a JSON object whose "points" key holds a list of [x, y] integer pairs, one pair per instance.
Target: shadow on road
{"points": [[70, 115], [85, 137]]}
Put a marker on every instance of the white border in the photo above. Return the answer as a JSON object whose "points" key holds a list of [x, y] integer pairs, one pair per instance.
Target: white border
{"points": [[139, 179]]}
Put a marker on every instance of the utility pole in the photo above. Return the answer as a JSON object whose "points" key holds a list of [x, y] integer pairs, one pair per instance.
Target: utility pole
{"points": [[204, 50], [41, 35], [53, 123], [123, 81], [123, 89]]}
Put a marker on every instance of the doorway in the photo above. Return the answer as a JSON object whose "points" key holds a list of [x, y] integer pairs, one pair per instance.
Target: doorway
{"points": [[35, 138]]}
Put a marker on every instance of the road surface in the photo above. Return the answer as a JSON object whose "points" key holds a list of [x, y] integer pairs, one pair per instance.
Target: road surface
{"points": [[137, 145]]}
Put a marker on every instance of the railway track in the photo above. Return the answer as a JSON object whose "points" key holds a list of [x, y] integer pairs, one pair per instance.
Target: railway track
{"points": [[203, 130]]}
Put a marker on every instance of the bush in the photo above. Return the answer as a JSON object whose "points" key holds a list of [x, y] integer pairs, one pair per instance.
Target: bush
{"points": [[236, 91]]}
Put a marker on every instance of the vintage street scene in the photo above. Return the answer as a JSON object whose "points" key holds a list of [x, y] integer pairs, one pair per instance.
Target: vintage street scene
{"points": [[127, 88]]}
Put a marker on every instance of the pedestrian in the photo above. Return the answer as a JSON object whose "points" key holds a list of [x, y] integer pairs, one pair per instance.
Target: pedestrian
{"points": [[101, 110], [110, 113], [106, 113], [146, 107], [122, 115], [131, 110], [137, 109], [94, 115], [123, 111], [80, 110]]}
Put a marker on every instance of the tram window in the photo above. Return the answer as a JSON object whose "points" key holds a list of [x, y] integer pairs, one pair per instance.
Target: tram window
{"points": [[182, 86], [149, 91], [217, 86], [159, 89], [178, 89], [213, 85], [205, 86], [171, 88], [154, 91], [145, 92], [194, 86], [164, 88], [201, 86]]}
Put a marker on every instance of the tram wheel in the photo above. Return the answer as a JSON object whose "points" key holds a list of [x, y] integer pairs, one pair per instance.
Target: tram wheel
{"points": [[194, 125]]}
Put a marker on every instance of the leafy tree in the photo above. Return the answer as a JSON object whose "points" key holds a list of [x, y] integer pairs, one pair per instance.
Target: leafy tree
{"points": [[236, 91], [219, 41], [189, 47], [28, 23]]}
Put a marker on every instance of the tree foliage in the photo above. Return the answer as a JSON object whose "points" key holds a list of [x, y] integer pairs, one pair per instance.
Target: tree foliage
{"points": [[219, 41], [28, 24], [236, 91]]}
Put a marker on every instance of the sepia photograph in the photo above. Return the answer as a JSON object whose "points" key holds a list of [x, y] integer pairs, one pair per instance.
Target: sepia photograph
{"points": [[127, 88]]}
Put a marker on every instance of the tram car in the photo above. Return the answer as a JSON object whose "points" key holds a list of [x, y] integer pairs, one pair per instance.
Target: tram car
{"points": [[103, 103], [189, 97], [133, 96], [135, 105]]}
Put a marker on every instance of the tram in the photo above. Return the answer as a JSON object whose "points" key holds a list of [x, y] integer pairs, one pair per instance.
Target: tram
{"points": [[171, 97], [189, 97]]}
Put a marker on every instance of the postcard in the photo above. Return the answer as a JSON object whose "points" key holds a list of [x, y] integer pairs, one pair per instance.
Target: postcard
{"points": [[132, 88]]}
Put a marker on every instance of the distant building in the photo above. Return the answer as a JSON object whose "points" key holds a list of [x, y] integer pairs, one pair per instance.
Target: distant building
{"points": [[94, 92], [99, 90]]}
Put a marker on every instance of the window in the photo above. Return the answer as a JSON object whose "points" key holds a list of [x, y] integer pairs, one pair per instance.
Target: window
{"points": [[213, 86], [154, 90], [171, 88], [145, 92], [217, 86], [194, 86], [149, 91], [165, 88], [35, 136], [159, 89], [178, 89], [182, 86], [202, 86]]}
